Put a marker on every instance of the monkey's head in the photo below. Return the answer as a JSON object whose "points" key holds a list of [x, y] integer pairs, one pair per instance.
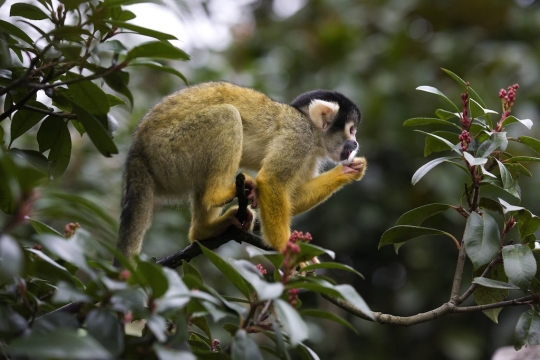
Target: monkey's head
{"points": [[336, 117]]}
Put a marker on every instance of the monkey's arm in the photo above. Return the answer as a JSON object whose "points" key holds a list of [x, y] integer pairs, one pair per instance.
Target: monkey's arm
{"points": [[318, 189]]}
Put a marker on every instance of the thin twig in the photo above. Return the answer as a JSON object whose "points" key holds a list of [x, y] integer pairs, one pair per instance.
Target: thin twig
{"points": [[49, 112]]}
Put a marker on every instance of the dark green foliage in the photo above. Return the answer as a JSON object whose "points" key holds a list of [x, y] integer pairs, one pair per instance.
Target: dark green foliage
{"points": [[482, 154]]}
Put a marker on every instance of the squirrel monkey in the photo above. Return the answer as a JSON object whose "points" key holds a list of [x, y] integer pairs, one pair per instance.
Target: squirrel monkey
{"points": [[192, 143]]}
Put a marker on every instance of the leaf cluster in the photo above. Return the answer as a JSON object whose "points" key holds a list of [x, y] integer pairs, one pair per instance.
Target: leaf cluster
{"points": [[75, 53], [478, 147], [148, 311]]}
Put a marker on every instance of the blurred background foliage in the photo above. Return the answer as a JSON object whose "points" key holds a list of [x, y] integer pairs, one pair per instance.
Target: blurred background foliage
{"points": [[376, 52]]}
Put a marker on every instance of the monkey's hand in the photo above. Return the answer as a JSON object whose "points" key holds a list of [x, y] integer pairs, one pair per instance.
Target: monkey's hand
{"points": [[251, 189], [356, 168]]}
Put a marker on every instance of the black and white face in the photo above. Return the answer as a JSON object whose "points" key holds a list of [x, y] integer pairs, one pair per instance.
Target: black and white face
{"points": [[337, 117]]}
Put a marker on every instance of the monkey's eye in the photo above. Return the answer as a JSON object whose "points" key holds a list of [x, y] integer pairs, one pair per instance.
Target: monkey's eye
{"points": [[352, 130]]}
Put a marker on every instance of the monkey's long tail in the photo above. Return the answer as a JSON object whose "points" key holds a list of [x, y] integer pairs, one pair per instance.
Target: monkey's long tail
{"points": [[137, 208]]}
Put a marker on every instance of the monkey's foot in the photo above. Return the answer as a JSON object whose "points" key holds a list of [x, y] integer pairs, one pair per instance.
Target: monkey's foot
{"points": [[251, 189], [247, 225]]}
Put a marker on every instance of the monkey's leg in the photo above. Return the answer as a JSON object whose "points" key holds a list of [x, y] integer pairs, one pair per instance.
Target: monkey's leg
{"points": [[207, 224], [318, 189], [223, 128], [275, 211]]}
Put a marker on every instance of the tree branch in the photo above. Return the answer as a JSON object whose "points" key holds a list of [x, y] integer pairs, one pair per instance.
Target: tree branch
{"points": [[446, 308], [50, 113], [232, 233]]}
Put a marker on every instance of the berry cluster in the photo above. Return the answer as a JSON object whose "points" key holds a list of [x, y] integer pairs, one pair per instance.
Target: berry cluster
{"points": [[508, 97], [70, 229], [261, 269], [294, 239], [297, 236], [465, 139], [293, 296]]}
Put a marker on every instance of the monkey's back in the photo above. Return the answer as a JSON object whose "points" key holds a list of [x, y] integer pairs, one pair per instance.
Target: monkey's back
{"points": [[180, 135]]}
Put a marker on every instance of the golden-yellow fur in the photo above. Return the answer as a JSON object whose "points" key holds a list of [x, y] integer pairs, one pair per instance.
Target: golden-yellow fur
{"points": [[192, 143]]}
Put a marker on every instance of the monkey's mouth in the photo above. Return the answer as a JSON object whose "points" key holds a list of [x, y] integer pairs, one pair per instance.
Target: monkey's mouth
{"points": [[347, 156]]}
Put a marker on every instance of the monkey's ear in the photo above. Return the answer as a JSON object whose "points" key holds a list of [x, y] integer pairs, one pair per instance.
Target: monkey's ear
{"points": [[322, 112]]}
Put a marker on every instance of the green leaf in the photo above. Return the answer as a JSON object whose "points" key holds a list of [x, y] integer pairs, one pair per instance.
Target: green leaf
{"points": [[96, 131], [60, 146], [105, 328], [428, 121], [291, 322], [49, 132], [478, 111], [227, 270], [494, 289], [417, 216], [348, 293], [157, 326], [530, 142], [112, 45], [250, 273], [193, 273], [154, 278], [68, 250], [24, 120], [509, 208], [331, 265], [447, 115], [309, 251], [462, 82], [119, 81], [158, 66], [329, 316], [423, 170], [42, 228], [69, 33], [27, 11], [15, 31], [528, 223], [512, 119], [435, 145], [34, 158], [58, 344], [506, 177], [402, 233], [490, 204], [202, 324], [141, 30], [527, 331], [496, 140], [244, 347], [114, 100], [157, 49], [451, 146], [275, 257], [523, 158], [436, 91], [519, 265], [89, 96], [494, 284], [11, 258], [481, 238], [474, 161]]}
